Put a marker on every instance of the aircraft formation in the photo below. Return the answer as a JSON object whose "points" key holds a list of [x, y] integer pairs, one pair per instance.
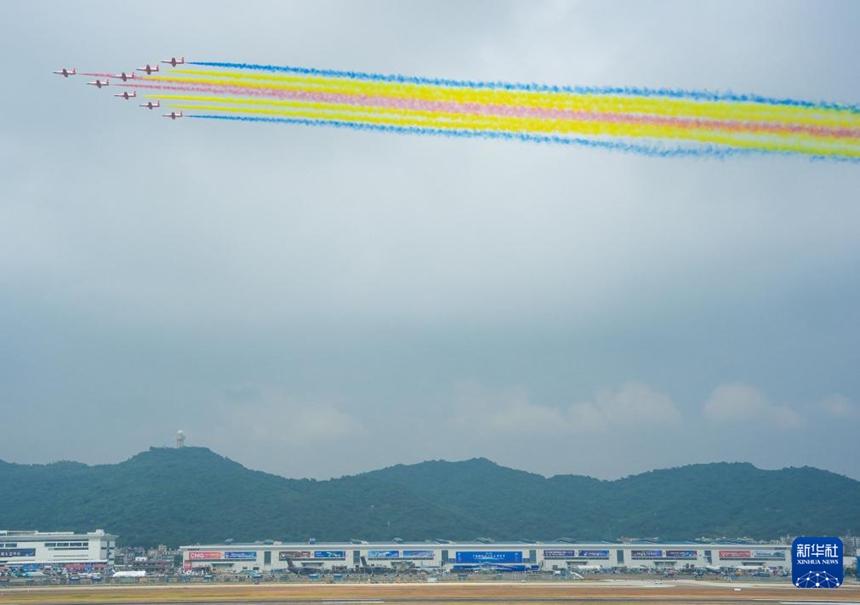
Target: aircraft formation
{"points": [[658, 122], [102, 80]]}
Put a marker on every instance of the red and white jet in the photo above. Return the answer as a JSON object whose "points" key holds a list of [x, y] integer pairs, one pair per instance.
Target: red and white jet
{"points": [[127, 95], [173, 61], [99, 83], [124, 76], [173, 115], [148, 69], [65, 72], [150, 104]]}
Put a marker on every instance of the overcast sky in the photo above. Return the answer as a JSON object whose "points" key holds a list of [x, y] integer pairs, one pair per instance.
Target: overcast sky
{"points": [[316, 302]]}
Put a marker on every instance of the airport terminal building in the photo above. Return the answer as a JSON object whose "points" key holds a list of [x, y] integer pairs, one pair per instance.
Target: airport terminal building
{"points": [[35, 549], [480, 556]]}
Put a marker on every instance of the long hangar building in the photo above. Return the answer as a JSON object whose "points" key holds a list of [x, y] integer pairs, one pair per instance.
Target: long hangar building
{"points": [[35, 549], [475, 556]]}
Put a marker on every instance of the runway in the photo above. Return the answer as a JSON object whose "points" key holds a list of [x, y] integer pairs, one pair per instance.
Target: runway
{"points": [[490, 593]]}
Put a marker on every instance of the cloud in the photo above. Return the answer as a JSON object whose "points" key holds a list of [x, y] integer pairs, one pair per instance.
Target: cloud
{"points": [[272, 417], [635, 406], [506, 411], [741, 403], [838, 406]]}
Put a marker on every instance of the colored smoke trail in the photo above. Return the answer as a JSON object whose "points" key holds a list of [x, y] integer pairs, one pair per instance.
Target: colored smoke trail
{"points": [[659, 122], [625, 91]]}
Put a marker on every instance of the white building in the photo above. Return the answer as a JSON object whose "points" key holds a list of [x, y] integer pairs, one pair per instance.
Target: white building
{"points": [[479, 556], [56, 549]]}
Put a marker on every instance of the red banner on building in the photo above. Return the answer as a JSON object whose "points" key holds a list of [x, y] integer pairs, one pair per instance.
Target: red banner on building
{"points": [[735, 554], [195, 555]]}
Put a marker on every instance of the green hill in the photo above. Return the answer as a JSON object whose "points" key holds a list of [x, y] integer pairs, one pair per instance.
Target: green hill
{"points": [[192, 495]]}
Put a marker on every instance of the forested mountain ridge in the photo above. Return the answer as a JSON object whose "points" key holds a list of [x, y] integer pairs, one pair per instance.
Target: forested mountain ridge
{"points": [[192, 495]]}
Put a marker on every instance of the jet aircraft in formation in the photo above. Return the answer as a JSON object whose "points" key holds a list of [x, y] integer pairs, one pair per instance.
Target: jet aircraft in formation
{"points": [[128, 77], [148, 69]]}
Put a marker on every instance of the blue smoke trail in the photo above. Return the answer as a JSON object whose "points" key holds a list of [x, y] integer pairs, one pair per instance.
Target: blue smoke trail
{"points": [[713, 151]]}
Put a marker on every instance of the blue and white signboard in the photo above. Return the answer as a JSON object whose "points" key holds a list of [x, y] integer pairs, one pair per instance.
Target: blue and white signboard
{"points": [[681, 554], [776, 555], [418, 554], [646, 554], [559, 554], [17, 552], [240, 554], [329, 554], [383, 554], [489, 556], [594, 554], [816, 562]]}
